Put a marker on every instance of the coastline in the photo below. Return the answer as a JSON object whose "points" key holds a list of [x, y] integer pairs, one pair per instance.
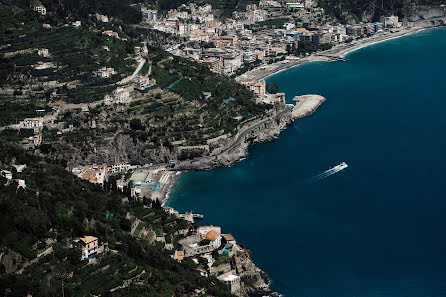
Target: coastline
{"points": [[170, 187], [259, 74], [336, 53]]}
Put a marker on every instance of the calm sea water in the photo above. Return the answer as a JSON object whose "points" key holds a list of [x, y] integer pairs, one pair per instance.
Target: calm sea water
{"points": [[377, 228]]}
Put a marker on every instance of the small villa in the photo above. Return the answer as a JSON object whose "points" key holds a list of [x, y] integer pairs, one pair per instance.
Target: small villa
{"points": [[37, 6], [105, 72], [89, 246]]}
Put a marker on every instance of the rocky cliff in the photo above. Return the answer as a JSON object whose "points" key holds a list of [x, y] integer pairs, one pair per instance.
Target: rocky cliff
{"points": [[262, 130]]}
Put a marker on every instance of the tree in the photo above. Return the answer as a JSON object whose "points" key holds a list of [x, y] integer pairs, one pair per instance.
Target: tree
{"points": [[135, 124], [125, 225], [74, 255], [156, 204]]}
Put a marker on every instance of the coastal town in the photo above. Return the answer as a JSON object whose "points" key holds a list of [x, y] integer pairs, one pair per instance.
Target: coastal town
{"points": [[251, 44], [261, 35], [129, 113]]}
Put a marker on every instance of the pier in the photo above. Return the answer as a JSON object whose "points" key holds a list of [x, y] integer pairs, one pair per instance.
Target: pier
{"points": [[331, 58], [190, 216]]}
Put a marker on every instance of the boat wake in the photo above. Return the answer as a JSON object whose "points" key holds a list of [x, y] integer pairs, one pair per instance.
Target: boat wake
{"points": [[330, 171]]}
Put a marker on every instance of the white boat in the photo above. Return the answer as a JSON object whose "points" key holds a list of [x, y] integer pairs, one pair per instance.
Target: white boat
{"points": [[339, 167], [331, 171], [343, 165]]}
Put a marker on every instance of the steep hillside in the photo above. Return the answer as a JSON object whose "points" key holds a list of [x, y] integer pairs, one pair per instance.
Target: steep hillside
{"points": [[371, 10], [39, 222]]}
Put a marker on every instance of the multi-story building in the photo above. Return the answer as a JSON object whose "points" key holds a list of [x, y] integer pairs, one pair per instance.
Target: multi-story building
{"points": [[257, 87], [89, 247], [37, 6], [232, 62], [296, 5], [232, 281], [105, 72], [320, 38], [120, 167], [119, 96], [149, 15], [30, 123], [390, 21], [92, 173]]}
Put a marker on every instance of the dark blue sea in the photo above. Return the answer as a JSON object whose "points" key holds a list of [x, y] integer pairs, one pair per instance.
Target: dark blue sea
{"points": [[376, 228]]}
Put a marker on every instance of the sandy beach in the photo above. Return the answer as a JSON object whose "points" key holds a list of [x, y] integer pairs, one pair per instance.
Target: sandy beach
{"points": [[169, 187], [337, 52]]}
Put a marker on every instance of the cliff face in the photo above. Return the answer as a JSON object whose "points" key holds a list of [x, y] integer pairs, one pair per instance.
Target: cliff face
{"points": [[426, 13], [124, 148], [121, 148], [237, 147], [371, 10]]}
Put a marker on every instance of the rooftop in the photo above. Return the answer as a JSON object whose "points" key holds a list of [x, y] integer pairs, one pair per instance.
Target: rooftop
{"points": [[88, 239], [228, 237], [212, 235]]}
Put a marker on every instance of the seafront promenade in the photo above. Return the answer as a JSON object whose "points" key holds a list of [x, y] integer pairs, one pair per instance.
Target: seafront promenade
{"points": [[337, 52]]}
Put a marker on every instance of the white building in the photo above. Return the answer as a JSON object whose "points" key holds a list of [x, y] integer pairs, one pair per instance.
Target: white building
{"points": [[297, 5], [289, 26], [214, 237], [6, 174], [231, 280], [102, 18], [89, 246], [120, 167], [43, 52], [77, 24], [20, 183], [202, 230], [30, 123], [106, 72], [269, 3], [211, 233], [40, 9], [390, 21], [149, 15], [20, 167], [43, 65], [119, 96], [232, 62], [93, 173]]}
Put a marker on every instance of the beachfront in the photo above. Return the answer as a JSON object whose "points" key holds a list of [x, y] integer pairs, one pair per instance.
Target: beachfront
{"points": [[337, 52]]}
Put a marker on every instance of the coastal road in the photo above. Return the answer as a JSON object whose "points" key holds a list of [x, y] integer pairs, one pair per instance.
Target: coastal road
{"points": [[187, 164], [244, 133], [240, 138]]}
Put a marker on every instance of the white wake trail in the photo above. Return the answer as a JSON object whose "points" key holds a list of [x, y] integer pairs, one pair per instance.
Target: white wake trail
{"points": [[330, 171]]}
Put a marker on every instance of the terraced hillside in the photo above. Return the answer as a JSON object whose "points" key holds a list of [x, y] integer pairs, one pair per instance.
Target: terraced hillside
{"points": [[40, 223], [72, 55], [56, 69]]}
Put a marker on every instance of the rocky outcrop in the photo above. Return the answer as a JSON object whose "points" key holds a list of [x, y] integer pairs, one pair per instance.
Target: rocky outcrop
{"points": [[261, 130], [11, 261], [257, 285], [423, 13]]}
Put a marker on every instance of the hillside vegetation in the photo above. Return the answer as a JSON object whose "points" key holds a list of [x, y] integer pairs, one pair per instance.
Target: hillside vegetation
{"points": [[56, 207], [372, 9]]}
